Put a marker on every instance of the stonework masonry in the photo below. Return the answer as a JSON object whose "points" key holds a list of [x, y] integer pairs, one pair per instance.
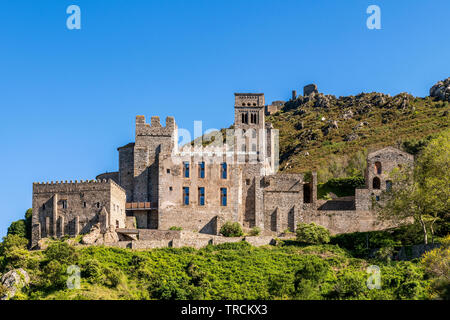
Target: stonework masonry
{"points": [[160, 185]]}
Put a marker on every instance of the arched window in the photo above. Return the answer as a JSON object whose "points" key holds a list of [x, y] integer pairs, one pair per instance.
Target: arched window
{"points": [[378, 167], [376, 183]]}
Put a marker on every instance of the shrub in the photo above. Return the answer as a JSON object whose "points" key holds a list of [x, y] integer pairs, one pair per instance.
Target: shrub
{"points": [[255, 231], [112, 277], [312, 233], [312, 268], [14, 250], [53, 275], [349, 285], [61, 252], [231, 229], [176, 228]]}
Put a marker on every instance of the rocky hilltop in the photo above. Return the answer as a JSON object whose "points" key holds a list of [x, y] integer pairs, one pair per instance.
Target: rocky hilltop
{"points": [[319, 130]]}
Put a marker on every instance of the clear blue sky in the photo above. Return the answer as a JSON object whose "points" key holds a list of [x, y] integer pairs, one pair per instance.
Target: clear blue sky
{"points": [[68, 98]]}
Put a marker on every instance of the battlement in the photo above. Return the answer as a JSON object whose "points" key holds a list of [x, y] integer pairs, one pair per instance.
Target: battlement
{"points": [[154, 128], [255, 100], [53, 185]]}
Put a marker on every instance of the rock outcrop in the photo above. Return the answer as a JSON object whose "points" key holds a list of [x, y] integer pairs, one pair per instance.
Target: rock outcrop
{"points": [[14, 280], [441, 90], [96, 236]]}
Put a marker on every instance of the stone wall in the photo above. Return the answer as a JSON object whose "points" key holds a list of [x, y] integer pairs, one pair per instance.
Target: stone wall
{"points": [[283, 199], [344, 221], [71, 208], [202, 218], [126, 169], [151, 140]]}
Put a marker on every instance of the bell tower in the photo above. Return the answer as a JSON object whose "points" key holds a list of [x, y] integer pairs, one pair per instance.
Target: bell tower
{"points": [[249, 111]]}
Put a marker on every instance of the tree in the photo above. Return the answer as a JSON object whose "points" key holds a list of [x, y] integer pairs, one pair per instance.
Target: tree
{"points": [[22, 227], [18, 228], [437, 264], [421, 193]]}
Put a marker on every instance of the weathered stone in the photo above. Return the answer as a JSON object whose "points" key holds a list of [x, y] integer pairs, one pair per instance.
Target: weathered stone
{"points": [[14, 280], [441, 90]]}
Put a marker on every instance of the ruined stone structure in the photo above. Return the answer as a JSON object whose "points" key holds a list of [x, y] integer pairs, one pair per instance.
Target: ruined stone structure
{"points": [[274, 107], [160, 185]]}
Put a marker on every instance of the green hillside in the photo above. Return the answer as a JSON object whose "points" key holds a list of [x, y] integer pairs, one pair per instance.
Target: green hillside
{"points": [[227, 271]]}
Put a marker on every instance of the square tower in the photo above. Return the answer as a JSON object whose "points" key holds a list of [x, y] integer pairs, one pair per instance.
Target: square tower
{"points": [[249, 111]]}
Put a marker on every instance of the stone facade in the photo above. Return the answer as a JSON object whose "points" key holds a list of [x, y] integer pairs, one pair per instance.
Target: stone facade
{"points": [[380, 164], [160, 185], [73, 208]]}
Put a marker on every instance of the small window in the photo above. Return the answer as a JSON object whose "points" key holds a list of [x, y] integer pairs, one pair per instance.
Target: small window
{"points": [[117, 223], [97, 204], [168, 170], [378, 167], [201, 170], [186, 169], [186, 196], [170, 188], [388, 185], [223, 196], [247, 182], [84, 204], [64, 204], [377, 198], [43, 206], [201, 196], [223, 170]]}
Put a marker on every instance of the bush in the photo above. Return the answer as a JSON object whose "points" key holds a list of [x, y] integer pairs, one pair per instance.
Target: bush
{"points": [[14, 250], [176, 228], [60, 251], [230, 229], [349, 285], [312, 233], [255, 231]]}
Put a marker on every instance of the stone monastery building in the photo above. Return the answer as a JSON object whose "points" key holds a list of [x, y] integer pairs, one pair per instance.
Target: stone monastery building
{"points": [[160, 185]]}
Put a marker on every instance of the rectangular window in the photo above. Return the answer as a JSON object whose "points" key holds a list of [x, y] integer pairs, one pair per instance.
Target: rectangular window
{"points": [[201, 196], [186, 196], [223, 196], [201, 170], [186, 169], [64, 204], [223, 170]]}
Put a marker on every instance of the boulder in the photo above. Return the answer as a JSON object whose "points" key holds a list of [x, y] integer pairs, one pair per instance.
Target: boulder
{"points": [[14, 280], [92, 236], [441, 90]]}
